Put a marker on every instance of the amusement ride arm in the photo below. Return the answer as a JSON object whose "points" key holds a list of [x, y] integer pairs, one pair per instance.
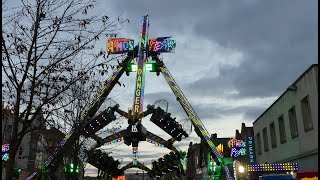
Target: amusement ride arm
{"points": [[200, 129], [87, 115]]}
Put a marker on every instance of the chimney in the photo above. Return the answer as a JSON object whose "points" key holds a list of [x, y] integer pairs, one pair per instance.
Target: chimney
{"points": [[243, 127], [214, 136], [237, 134]]}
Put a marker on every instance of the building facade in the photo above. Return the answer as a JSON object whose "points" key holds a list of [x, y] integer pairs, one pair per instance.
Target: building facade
{"points": [[195, 162], [246, 135], [35, 146], [199, 156], [288, 130], [26, 155]]}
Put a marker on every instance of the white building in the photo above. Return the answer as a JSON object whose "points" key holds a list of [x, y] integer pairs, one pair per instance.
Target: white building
{"points": [[288, 130], [32, 150], [26, 155]]}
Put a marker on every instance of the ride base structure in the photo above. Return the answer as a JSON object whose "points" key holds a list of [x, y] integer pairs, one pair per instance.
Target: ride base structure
{"points": [[147, 54]]}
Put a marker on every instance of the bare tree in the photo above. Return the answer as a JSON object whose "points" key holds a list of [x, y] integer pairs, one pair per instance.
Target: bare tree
{"points": [[42, 41], [69, 117]]}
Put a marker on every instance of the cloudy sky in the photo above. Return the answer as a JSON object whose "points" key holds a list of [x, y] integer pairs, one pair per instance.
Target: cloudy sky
{"points": [[233, 59]]}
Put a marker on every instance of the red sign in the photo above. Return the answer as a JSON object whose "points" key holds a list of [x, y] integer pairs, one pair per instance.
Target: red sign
{"points": [[119, 178]]}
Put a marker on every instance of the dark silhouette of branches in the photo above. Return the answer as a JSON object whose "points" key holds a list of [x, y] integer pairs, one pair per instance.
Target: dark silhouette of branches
{"points": [[42, 42]]}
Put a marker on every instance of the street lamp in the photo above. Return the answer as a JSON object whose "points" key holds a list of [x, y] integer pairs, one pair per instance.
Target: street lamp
{"points": [[241, 169]]}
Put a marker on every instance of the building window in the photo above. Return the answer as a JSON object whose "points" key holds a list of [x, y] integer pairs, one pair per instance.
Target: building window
{"points": [[20, 153], [197, 160], [259, 144], [273, 135], [31, 164], [306, 114], [282, 130], [7, 133], [293, 122], [265, 139]]}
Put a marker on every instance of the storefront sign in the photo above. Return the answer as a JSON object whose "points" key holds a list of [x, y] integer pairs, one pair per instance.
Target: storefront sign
{"points": [[250, 150]]}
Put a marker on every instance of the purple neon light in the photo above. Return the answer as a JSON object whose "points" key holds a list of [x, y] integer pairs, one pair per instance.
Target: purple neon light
{"points": [[273, 167]]}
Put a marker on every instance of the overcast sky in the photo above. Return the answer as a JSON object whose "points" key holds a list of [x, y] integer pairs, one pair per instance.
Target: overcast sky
{"points": [[233, 59]]}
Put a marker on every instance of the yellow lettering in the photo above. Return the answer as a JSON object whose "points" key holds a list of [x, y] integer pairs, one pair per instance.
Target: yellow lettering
{"points": [[110, 46], [137, 102], [136, 108], [139, 71], [138, 92], [139, 85], [151, 43], [139, 82]]}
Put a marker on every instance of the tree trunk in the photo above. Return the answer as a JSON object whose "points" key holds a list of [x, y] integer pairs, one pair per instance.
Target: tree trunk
{"points": [[11, 160]]}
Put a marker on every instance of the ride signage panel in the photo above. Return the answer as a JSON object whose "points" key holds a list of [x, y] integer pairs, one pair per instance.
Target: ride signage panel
{"points": [[120, 45], [238, 147], [5, 152], [162, 44]]}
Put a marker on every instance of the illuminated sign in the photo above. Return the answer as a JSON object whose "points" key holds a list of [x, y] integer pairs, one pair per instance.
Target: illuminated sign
{"points": [[138, 93], [119, 178], [250, 149], [5, 150], [162, 44], [273, 167], [220, 149], [238, 147], [120, 45]]}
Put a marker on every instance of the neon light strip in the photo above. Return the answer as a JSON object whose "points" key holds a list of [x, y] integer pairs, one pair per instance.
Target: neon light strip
{"points": [[139, 89], [191, 113], [154, 142], [142, 56], [115, 141], [135, 155], [105, 88], [234, 169], [272, 167]]}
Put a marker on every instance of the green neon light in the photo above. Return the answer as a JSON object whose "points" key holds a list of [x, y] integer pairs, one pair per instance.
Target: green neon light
{"points": [[150, 67], [71, 167], [133, 67]]}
